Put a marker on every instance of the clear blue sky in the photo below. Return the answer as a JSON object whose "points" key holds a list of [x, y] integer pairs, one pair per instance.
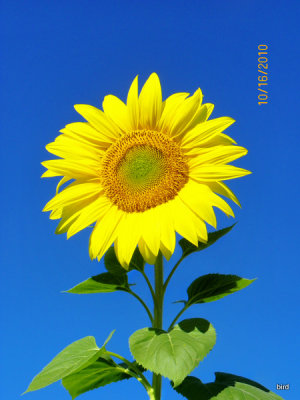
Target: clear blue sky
{"points": [[59, 53]]}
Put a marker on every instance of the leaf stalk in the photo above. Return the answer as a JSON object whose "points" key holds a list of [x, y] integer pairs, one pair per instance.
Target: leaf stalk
{"points": [[143, 304]]}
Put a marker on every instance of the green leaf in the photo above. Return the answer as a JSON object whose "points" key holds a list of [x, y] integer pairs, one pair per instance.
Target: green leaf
{"points": [[73, 358], [176, 353], [100, 373], [226, 386], [114, 267], [112, 264], [213, 287], [188, 248], [137, 262], [103, 283]]}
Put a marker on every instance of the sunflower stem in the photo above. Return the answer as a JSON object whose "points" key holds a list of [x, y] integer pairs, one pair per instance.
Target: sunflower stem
{"points": [[158, 315]]}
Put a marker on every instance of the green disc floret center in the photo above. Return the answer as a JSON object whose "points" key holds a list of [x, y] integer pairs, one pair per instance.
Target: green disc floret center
{"points": [[142, 166]]}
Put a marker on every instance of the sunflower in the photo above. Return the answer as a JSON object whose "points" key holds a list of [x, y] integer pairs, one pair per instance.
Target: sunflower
{"points": [[142, 171]]}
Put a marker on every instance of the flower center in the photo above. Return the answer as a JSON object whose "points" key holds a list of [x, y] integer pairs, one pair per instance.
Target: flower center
{"points": [[142, 170]]}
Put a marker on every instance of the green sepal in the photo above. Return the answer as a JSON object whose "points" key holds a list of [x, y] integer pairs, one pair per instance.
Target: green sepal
{"points": [[189, 248], [102, 372], [114, 267], [102, 283], [176, 353], [73, 358], [226, 386], [212, 287]]}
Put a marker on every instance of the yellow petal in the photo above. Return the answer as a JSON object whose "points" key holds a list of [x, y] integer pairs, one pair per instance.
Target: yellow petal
{"points": [[211, 173], [146, 253], [165, 251], [151, 230], [74, 169], [150, 102], [184, 220], [72, 194], [198, 198], [69, 214], [205, 131], [217, 201], [133, 104], [105, 232], [48, 174], [201, 115], [201, 231], [129, 234], [65, 223], [167, 232], [222, 189], [70, 139], [86, 133], [61, 182], [69, 148], [89, 214], [98, 120], [56, 213], [117, 111], [170, 107], [185, 113], [220, 139], [217, 155]]}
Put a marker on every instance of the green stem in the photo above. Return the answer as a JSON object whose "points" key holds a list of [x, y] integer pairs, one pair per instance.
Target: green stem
{"points": [[143, 304], [178, 315], [171, 274], [158, 315], [137, 373], [151, 394]]}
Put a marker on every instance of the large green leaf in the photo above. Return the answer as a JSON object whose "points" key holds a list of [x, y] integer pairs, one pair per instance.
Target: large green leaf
{"points": [[73, 358], [102, 283], [114, 267], [213, 287], [225, 387], [188, 248], [100, 373], [176, 353]]}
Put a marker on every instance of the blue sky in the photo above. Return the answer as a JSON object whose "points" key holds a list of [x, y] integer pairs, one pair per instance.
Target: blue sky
{"points": [[60, 53]]}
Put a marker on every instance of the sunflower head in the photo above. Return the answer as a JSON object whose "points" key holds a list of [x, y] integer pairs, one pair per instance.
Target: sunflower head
{"points": [[142, 171]]}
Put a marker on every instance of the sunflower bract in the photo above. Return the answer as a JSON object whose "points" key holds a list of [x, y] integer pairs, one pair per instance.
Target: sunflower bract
{"points": [[142, 171]]}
